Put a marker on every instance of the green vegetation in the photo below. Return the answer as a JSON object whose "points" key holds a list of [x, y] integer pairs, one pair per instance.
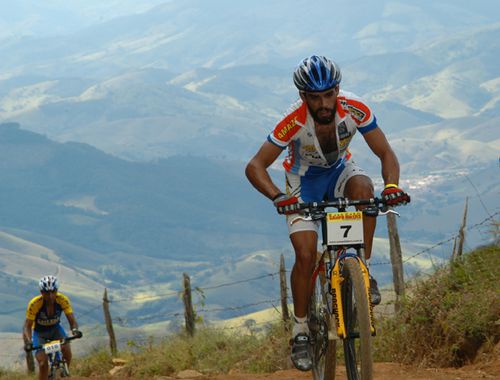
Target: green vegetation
{"points": [[450, 317], [209, 351], [11, 375]]}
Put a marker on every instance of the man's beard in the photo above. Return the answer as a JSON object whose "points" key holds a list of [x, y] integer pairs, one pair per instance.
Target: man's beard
{"points": [[326, 119]]}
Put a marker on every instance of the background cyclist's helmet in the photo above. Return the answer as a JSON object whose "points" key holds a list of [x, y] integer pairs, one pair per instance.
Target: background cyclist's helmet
{"points": [[48, 284], [316, 73]]}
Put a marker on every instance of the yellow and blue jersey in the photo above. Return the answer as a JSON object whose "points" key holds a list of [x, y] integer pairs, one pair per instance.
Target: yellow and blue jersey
{"points": [[37, 312]]}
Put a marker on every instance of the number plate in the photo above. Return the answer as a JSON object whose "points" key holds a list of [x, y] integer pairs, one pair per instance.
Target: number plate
{"points": [[344, 228], [50, 348]]}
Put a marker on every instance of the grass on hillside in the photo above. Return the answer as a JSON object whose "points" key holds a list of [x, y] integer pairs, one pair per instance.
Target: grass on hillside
{"points": [[12, 375], [450, 317], [209, 351]]}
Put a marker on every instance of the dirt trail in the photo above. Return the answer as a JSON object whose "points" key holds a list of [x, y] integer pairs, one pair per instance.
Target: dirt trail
{"points": [[383, 371]]}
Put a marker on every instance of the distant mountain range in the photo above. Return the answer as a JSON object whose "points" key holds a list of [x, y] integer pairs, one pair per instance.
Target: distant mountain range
{"points": [[133, 87], [99, 221], [123, 142]]}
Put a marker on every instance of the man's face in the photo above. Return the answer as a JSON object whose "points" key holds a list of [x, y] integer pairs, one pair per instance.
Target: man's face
{"points": [[49, 297], [321, 105]]}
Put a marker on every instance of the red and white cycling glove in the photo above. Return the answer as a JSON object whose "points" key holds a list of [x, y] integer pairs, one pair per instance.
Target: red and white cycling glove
{"points": [[394, 196], [285, 204]]}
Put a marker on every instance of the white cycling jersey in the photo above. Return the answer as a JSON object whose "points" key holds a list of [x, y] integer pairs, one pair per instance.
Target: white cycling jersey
{"points": [[296, 131]]}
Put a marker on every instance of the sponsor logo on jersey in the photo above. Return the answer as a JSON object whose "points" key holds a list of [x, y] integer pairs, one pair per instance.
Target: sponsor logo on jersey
{"points": [[312, 156], [343, 131], [344, 143], [356, 112], [47, 322], [283, 131], [309, 148]]}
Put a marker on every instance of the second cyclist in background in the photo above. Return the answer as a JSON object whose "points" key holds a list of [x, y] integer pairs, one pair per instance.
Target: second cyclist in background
{"points": [[317, 131], [43, 322]]}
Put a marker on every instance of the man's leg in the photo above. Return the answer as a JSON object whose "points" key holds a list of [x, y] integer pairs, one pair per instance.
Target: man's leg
{"points": [[361, 187], [305, 246], [43, 365], [66, 352], [60, 333]]}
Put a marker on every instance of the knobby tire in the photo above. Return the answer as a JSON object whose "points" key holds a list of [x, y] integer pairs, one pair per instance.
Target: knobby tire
{"points": [[323, 349], [64, 369], [52, 367], [357, 344]]}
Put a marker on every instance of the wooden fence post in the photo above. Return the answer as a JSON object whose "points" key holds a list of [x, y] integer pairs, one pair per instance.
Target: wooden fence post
{"points": [[396, 261], [188, 306], [454, 250], [284, 297], [30, 362], [461, 232], [109, 323]]}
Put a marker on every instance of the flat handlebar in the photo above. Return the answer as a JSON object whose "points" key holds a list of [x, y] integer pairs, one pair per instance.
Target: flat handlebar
{"points": [[341, 203], [62, 341]]}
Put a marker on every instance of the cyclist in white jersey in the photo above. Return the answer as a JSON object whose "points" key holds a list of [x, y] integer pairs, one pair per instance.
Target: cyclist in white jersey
{"points": [[317, 131]]}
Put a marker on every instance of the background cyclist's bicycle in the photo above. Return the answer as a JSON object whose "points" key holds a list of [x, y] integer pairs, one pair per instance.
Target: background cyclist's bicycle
{"points": [[57, 364]]}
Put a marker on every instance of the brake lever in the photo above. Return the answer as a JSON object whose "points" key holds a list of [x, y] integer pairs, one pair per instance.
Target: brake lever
{"points": [[386, 210], [306, 218], [300, 217]]}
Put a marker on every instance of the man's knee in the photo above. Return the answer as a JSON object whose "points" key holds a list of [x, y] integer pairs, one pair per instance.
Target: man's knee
{"points": [[305, 260], [66, 351], [43, 364], [359, 187]]}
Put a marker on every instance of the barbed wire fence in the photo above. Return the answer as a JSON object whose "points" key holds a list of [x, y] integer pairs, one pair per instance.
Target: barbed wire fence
{"points": [[174, 317], [274, 303]]}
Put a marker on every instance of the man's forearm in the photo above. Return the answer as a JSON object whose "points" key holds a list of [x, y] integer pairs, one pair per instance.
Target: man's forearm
{"points": [[261, 180], [26, 335], [390, 168]]}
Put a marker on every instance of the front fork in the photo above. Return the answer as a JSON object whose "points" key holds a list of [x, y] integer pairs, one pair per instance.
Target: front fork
{"points": [[336, 281]]}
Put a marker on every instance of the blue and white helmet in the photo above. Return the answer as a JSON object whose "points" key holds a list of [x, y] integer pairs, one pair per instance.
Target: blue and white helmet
{"points": [[316, 73], [48, 284]]}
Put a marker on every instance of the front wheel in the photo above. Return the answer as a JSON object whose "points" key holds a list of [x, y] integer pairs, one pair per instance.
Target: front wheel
{"points": [[358, 342], [52, 373], [64, 369], [52, 366], [323, 349]]}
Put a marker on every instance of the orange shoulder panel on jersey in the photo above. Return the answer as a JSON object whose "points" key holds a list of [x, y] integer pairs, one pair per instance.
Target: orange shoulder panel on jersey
{"points": [[359, 111], [34, 307], [63, 300], [288, 127]]}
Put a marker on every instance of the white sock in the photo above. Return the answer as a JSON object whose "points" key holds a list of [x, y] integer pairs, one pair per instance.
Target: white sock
{"points": [[300, 326]]}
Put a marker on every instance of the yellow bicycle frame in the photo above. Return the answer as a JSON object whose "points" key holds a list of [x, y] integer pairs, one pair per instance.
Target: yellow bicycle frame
{"points": [[336, 280]]}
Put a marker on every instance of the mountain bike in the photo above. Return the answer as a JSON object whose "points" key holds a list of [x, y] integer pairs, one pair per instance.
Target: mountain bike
{"points": [[340, 306], [57, 363]]}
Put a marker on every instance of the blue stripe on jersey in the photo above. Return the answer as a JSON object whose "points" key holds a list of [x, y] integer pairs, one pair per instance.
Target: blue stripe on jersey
{"points": [[274, 142], [369, 127]]}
